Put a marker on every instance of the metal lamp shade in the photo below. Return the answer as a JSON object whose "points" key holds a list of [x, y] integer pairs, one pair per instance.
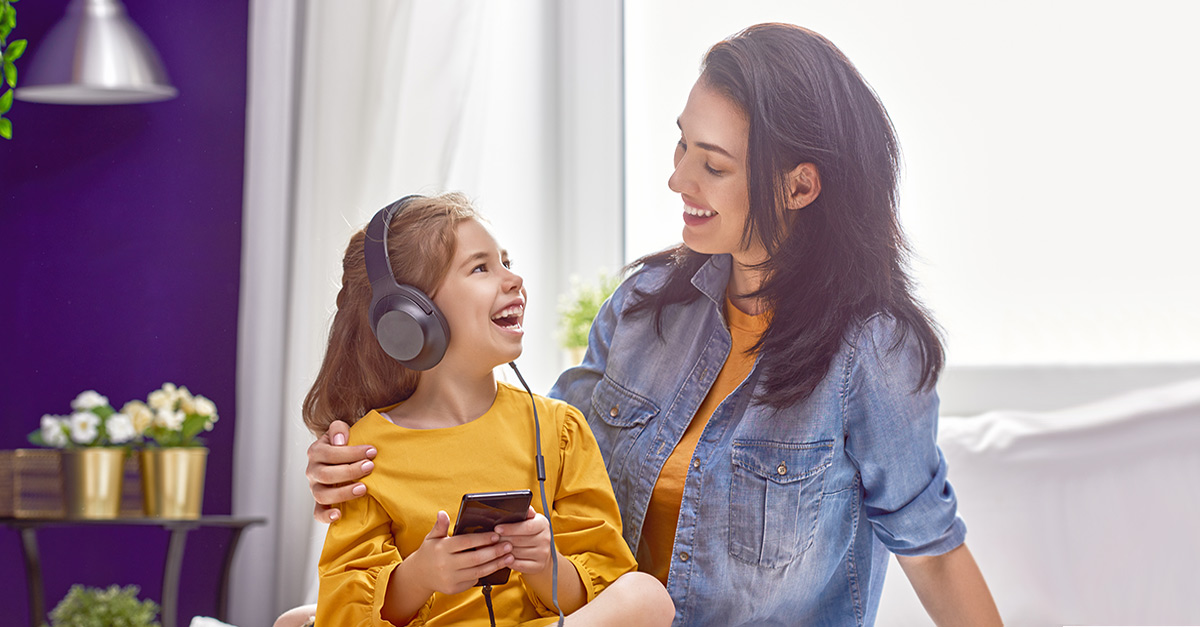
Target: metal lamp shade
{"points": [[95, 55]]}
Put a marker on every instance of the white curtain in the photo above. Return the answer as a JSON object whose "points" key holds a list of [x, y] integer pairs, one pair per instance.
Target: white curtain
{"points": [[353, 105]]}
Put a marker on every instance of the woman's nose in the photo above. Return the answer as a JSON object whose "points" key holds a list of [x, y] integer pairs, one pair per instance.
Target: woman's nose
{"points": [[679, 181]]}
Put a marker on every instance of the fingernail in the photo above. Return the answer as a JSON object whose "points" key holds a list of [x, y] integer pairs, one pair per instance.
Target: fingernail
{"points": [[334, 515], [339, 439], [359, 490], [371, 452], [495, 537], [368, 466]]}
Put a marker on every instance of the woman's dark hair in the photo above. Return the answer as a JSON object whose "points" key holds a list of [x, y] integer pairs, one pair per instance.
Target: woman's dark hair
{"points": [[356, 374], [841, 258]]}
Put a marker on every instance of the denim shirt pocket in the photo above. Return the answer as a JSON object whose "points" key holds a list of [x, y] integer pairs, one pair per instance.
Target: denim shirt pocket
{"points": [[774, 499], [622, 416]]}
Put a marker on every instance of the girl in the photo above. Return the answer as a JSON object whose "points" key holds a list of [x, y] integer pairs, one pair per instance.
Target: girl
{"points": [[763, 394], [450, 428]]}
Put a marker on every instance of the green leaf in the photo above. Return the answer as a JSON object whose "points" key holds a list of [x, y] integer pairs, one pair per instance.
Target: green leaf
{"points": [[6, 128], [15, 50], [10, 73], [6, 102]]}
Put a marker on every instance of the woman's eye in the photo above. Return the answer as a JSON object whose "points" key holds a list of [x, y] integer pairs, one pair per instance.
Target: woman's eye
{"points": [[712, 170], [680, 145]]}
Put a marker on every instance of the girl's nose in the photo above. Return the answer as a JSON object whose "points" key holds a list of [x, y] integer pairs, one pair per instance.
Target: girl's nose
{"points": [[512, 281]]}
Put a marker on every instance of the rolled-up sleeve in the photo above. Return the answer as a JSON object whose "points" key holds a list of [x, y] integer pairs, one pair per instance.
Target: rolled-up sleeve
{"points": [[891, 436]]}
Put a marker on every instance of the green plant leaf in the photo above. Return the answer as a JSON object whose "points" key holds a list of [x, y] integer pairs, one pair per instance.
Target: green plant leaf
{"points": [[10, 73], [5, 128], [6, 102], [15, 50]]}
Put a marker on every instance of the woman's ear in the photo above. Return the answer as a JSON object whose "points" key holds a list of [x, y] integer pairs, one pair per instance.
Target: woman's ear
{"points": [[803, 185]]}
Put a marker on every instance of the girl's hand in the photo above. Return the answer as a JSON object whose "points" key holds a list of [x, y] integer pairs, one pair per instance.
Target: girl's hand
{"points": [[530, 540], [334, 470], [452, 564]]}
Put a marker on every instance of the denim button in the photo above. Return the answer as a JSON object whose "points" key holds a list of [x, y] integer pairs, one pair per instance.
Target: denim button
{"points": [[695, 462], [782, 469], [614, 411], [683, 556]]}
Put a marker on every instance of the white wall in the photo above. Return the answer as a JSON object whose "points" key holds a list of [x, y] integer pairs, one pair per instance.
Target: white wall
{"points": [[1050, 161]]}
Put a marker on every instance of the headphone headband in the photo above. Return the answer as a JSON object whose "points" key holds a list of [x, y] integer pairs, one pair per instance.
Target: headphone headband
{"points": [[404, 320]]}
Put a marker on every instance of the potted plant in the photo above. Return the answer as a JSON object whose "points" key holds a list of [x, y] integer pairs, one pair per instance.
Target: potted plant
{"points": [[93, 441], [576, 310], [173, 456], [114, 607]]}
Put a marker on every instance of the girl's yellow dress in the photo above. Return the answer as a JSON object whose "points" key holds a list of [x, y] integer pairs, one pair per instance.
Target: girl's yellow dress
{"points": [[420, 471]]}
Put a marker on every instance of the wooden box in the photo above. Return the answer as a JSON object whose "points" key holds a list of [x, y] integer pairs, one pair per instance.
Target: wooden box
{"points": [[31, 485]]}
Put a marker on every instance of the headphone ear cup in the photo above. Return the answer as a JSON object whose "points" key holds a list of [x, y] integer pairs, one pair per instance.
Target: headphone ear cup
{"points": [[410, 328]]}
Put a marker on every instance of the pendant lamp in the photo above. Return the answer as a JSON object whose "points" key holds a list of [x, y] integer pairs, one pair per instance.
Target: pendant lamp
{"points": [[95, 55]]}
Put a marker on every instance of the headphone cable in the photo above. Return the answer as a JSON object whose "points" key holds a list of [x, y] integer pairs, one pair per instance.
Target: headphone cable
{"points": [[541, 475]]}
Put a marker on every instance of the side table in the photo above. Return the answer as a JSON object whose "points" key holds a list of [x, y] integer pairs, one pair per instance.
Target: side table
{"points": [[172, 566]]}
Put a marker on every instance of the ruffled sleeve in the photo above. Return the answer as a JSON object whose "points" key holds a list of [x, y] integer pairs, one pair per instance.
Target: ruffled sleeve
{"points": [[356, 562], [587, 523]]}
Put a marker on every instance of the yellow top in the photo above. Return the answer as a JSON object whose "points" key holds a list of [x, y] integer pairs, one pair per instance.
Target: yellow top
{"points": [[662, 513], [420, 471]]}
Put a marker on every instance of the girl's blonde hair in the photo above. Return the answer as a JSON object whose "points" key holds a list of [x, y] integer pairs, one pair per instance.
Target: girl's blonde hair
{"points": [[356, 375]]}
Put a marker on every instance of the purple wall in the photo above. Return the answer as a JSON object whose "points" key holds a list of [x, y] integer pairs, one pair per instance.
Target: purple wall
{"points": [[120, 271]]}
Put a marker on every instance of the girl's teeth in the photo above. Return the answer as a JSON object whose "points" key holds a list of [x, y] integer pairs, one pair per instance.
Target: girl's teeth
{"points": [[702, 213]]}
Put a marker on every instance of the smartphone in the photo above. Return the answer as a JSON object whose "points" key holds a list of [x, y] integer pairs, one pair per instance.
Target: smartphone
{"points": [[482, 511]]}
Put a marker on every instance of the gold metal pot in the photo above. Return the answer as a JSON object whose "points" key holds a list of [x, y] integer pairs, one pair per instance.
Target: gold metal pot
{"points": [[92, 482], [173, 481]]}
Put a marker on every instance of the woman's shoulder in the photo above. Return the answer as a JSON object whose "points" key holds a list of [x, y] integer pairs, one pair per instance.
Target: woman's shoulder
{"points": [[883, 350]]}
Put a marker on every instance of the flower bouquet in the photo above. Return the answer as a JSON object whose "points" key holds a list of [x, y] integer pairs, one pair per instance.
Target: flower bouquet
{"points": [[93, 422], [172, 416]]}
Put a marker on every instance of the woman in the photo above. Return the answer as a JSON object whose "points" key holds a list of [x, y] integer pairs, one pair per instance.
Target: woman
{"points": [[763, 394]]}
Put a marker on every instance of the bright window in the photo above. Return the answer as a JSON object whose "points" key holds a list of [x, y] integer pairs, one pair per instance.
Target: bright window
{"points": [[1051, 161]]}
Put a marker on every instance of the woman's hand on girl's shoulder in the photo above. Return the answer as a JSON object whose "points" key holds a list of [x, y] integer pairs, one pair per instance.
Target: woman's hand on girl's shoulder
{"points": [[334, 470]]}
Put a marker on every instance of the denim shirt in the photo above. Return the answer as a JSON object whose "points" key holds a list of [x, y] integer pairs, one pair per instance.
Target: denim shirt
{"points": [[788, 514]]}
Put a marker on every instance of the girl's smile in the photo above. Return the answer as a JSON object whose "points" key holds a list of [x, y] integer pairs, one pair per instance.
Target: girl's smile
{"points": [[483, 301]]}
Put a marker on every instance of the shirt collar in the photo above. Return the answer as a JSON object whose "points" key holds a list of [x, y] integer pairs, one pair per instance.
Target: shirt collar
{"points": [[713, 277]]}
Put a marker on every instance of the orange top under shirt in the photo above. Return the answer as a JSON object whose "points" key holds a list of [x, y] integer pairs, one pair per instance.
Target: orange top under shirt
{"points": [[662, 514]]}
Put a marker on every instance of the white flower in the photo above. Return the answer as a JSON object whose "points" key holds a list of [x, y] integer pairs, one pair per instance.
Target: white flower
{"points": [[169, 419], [88, 400], [84, 427], [139, 415], [120, 428], [164, 398], [205, 407], [53, 433], [187, 404]]}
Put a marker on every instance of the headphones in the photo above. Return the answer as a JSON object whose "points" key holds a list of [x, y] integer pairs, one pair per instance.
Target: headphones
{"points": [[409, 327]]}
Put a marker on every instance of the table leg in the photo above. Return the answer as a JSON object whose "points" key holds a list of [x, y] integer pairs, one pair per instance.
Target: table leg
{"points": [[33, 576], [223, 590], [171, 570]]}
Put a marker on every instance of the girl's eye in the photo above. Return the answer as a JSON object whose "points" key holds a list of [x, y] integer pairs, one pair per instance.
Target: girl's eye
{"points": [[680, 145], [508, 263], [713, 171], [480, 268]]}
